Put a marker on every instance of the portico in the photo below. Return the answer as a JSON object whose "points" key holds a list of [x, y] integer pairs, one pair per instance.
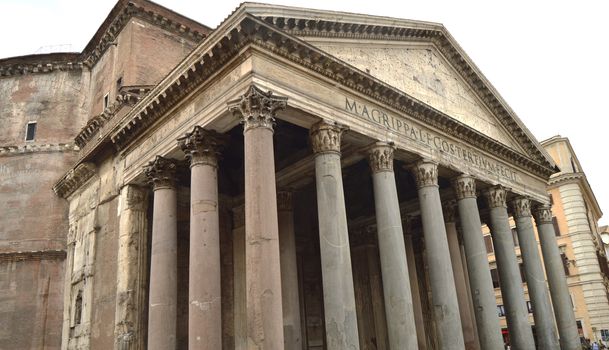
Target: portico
{"points": [[281, 180]]}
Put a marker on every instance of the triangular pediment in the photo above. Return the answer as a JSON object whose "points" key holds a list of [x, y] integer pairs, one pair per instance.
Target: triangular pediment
{"points": [[423, 73]]}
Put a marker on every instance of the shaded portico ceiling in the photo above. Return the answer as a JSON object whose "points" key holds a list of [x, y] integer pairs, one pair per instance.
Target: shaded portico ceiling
{"points": [[259, 26]]}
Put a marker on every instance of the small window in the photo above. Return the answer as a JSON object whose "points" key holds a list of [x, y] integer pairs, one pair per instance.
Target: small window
{"points": [[556, 227], [515, 237], [489, 243], [106, 101], [523, 276], [495, 278], [78, 308], [551, 200], [500, 310], [565, 263], [529, 307], [30, 131]]}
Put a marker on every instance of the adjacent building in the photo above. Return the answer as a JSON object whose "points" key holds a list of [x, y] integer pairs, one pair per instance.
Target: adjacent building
{"points": [[294, 178]]}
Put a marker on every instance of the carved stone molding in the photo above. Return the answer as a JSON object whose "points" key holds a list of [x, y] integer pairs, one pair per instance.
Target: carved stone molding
{"points": [[257, 108], [161, 172], [10, 150], [495, 197], [202, 146], [543, 214], [521, 207], [326, 137], [284, 201], [73, 179], [380, 157], [425, 173], [464, 187], [449, 210], [32, 255]]}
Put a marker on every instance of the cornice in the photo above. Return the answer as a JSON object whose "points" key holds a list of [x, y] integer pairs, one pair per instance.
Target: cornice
{"points": [[423, 32], [34, 255], [44, 63], [251, 31], [93, 52], [127, 96], [118, 18], [565, 178], [75, 178], [6, 151]]}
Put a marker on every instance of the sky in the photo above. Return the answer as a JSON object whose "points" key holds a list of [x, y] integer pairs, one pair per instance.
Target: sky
{"points": [[548, 59]]}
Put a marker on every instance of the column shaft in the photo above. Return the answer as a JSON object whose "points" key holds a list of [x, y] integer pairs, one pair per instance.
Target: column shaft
{"points": [[444, 295], [339, 297], [394, 267], [292, 335], [416, 297], [467, 323], [559, 290], [512, 292], [162, 309], [263, 274], [131, 269], [204, 281], [483, 294], [536, 281]]}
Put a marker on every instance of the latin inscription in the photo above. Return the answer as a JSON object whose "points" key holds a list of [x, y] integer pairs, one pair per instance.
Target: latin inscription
{"points": [[427, 138]]}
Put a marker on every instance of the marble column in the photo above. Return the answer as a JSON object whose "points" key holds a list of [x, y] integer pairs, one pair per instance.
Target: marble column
{"points": [[204, 294], [263, 275], [512, 292], [559, 290], [536, 281], [162, 310], [292, 335], [467, 322], [442, 281], [481, 284], [131, 270], [414, 288], [339, 296], [401, 327]]}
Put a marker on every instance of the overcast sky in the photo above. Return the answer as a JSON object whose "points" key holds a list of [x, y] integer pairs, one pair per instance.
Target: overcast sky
{"points": [[548, 59]]}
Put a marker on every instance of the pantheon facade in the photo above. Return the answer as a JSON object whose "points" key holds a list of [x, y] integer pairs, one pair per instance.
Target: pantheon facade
{"points": [[292, 179]]}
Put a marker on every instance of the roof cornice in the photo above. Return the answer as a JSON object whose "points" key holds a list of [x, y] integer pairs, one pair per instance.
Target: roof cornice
{"points": [[580, 179], [244, 29], [402, 30], [105, 36]]}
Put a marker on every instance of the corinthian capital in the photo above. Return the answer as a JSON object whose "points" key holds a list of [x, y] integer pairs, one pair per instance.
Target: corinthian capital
{"points": [[495, 197], [543, 214], [257, 108], [325, 137], [161, 172], [425, 173], [464, 187], [521, 207], [201, 146], [380, 157]]}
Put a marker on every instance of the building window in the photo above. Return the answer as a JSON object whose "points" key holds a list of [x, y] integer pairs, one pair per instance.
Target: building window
{"points": [[488, 241], [30, 131], [529, 307], [551, 199], [556, 228], [106, 100], [522, 273], [565, 263], [515, 237], [495, 278], [500, 310]]}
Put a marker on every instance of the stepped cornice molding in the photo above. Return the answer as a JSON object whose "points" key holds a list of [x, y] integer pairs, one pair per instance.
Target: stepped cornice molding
{"points": [[33, 255], [105, 37], [405, 30], [225, 43], [127, 96], [6, 151], [75, 178]]}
